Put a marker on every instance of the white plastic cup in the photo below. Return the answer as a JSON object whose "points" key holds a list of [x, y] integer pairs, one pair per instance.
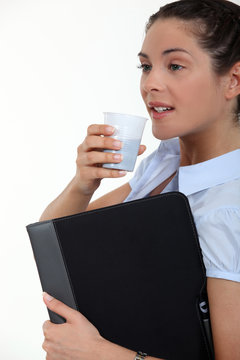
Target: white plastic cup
{"points": [[129, 130]]}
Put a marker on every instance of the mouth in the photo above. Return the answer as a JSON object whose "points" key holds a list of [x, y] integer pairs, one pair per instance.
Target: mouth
{"points": [[158, 110], [161, 109]]}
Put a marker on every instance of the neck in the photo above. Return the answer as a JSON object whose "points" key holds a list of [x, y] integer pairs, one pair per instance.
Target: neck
{"points": [[196, 148]]}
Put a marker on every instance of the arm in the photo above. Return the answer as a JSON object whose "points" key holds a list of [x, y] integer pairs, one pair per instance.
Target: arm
{"points": [[114, 197], [224, 304], [78, 339], [71, 201], [77, 195]]}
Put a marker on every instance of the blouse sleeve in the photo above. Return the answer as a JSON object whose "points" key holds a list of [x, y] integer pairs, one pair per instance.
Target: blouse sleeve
{"points": [[219, 236], [141, 169]]}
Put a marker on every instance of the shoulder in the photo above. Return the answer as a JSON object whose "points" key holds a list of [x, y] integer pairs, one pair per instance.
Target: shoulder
{"points": [[218, 226], [155, 168], [166, 149], [215, 200]]}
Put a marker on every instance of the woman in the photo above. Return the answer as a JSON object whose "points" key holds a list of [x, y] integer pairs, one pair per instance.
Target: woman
{"points": [[190, 61]]}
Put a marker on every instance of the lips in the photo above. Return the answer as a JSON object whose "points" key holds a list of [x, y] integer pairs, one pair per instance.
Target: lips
{"points": [[159, 104], [159, 115]]}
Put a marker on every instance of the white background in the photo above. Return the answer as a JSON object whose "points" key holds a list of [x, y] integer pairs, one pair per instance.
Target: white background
{"points": [[62, 63]]}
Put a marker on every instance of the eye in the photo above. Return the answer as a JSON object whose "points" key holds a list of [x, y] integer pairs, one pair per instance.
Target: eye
{"points": [[175, 67], [144, 67]]}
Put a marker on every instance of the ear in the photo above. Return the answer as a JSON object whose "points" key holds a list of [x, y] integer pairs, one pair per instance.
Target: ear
{"points": [[233, 83]]}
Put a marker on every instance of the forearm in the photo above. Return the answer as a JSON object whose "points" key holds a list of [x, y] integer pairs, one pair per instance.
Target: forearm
{"points": [[78, 338], [77, 195], [110, 351], [69, 202]]}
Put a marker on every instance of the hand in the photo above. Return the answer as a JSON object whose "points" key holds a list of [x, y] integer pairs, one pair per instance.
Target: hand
{"points": [[77, 339], [91, 156]]}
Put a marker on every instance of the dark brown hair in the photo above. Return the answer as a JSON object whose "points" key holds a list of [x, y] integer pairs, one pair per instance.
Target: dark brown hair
{"points": [[216, 26]]}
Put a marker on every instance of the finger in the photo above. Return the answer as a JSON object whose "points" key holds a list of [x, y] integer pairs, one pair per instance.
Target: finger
{"points": [[63, 310], [142, 149], [46, 326], [59, 308], [96, 157], [92, 173], [102, 129], [98, 142], [45, 345]]}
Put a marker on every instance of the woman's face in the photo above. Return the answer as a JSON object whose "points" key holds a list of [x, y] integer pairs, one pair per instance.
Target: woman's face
{"points": [[177, 74]]}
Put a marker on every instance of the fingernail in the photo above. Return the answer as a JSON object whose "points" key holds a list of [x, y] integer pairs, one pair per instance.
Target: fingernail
{"points": [[117, 144], [47, 296], [110, 129], [122, 173], [117, 156]]}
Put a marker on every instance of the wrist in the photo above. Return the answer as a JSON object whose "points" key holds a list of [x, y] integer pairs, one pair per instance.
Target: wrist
{"points": [[79, 191], [111, 351], [140, 355]]}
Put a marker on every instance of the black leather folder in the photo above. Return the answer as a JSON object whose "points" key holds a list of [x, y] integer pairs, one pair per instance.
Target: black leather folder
{"points": [[135, 270]]}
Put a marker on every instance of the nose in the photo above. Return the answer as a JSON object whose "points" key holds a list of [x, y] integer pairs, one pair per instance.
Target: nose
{"points": [[152, 82]]}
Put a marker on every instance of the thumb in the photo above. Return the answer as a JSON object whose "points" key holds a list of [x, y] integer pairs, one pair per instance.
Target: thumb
{"points": [[59, 307], [141, 150]]}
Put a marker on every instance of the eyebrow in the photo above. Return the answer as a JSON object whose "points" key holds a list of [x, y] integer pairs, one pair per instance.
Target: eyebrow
{"points": [[166, 52]]}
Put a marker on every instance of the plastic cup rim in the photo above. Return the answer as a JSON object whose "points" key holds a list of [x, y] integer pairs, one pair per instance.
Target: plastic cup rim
{"points": [[131, 115]]}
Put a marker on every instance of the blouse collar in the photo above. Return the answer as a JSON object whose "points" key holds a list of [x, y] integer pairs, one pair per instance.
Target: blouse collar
{"points": [[207, 174]]}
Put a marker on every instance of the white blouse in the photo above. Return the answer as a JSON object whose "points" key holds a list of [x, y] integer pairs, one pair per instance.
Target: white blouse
{"points": [[213, 191]]}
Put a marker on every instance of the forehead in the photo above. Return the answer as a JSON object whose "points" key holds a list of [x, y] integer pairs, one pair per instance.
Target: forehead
{"points": [[170, 33]]}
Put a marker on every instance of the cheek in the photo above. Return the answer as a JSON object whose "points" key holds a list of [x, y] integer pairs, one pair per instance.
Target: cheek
{"points": [[143, 93], [199, 95]]}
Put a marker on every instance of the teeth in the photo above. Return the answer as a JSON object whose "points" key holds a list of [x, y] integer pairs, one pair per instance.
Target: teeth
{"points": [[161, 109]]}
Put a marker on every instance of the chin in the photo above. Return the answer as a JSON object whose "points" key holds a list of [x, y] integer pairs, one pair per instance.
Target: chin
{"points": [[163, 134]]}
